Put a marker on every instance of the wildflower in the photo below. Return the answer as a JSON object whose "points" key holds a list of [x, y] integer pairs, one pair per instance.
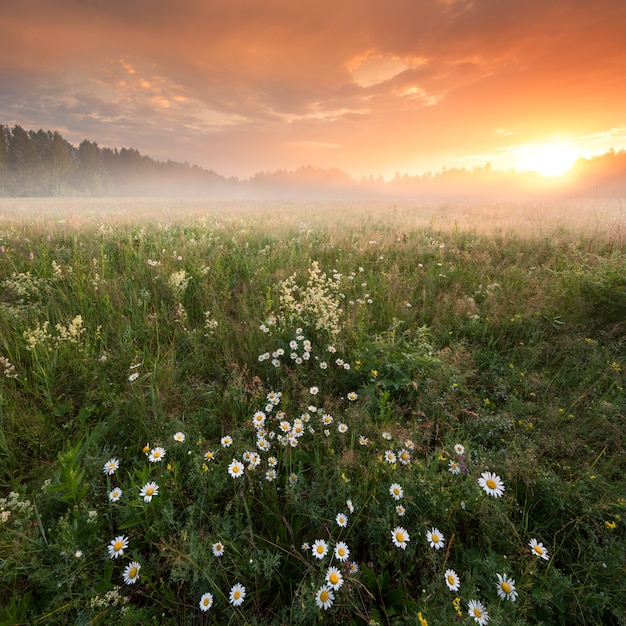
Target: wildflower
{"points": [[350, 506], [435, 538], [334, 578], [209, 456], [115, 494], [226, 441], [459, 449], [156, 455], [117, 546], [352, 396], [478, 612], [272, 461], [342, 552], [206, 601], [396, 491], [314, 391], [364, 441], [456, 603], [342, 428], [323, 365], [110, 467], [538, 550], [400, 537], [148, 490], [353, 567], [237, 594], [319, 549], [131, 573], [179, 436], [146, 449], [404, 456], [342, 520], [492, 484], [610, 525], [270, 475], [133, 376], [506, 588], [218, 549], [454, 468], [258, 419], [390, 457], [324, 597], [235, 469], [421, 619], [452, 580], [400, 510], [386, 435], [293, 478]]}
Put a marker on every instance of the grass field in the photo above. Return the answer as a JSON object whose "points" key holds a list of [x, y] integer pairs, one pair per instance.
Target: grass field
{"points": [[312, 413]]}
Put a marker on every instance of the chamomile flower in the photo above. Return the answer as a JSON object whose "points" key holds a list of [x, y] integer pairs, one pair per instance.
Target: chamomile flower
{"points": [[218, 549], [319, 549], [237, 594], [111, 466], [404, 456], [454, 467], [452, 580], [353, 567], [179, 436], [293, 478], [314, 391], [133, 376], [209, 456], [324, 597], [258, 419], [390, 457], [148, 491], [115, 494], [400, 510], [270, 474], [492, 484], [117, 546], [435, 538], [226, 441], [342, 428], [342, 520], [342, 552], [538, 549], [386, 435], [396, 491], [334, 578], [235, 469], [131, 573], [206, 601], [352, 396], [156, 455], [459, 449], [363, 441], [506, 588], [400, 537], [272, 461], [478, 612]]}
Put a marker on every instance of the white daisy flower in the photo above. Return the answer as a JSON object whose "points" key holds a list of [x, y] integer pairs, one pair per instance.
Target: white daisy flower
{"points": [[131, 573], [400, 537], [492, 484], [435, 538]]}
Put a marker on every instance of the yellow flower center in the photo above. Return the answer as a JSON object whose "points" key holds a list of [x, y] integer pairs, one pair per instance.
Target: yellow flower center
{"points": [[156, 454], [538, 549], [435, 538], [451, 580], [117, 545], [146, 449], [400, 537], [491, 483], [150, 491], [206, 602], [334, 578], [341, 552], [132, 573], [477, 612], [237, 594], [506, 588], [324, 596], [320, 549]]}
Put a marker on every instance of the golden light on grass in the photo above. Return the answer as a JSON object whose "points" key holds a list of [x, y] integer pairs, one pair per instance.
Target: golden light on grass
{"points": [[554, 159]]}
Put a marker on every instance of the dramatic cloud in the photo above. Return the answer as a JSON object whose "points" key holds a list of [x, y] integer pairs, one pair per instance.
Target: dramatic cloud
{"points": [[240, 86]]}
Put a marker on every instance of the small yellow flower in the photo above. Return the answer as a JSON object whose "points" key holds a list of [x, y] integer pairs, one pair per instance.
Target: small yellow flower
{"points": [[442, 458], [421, 619], [374, 373], [610, 525], [169, 467], [146, 448], [345, 478], [205, 467]]}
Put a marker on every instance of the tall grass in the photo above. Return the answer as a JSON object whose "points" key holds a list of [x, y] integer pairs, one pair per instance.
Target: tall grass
{"points": [[312, 380]]}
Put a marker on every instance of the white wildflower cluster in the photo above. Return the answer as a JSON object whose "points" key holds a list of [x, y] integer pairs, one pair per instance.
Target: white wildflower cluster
{"points": [[210, 324], [7, 369], [178, 281], [25, 287], [110, 598], [73, 333], [13, 509], [152, 263]]}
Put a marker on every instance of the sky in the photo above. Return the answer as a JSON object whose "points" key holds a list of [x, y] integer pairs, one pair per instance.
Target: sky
{"points": [[368, 86]]}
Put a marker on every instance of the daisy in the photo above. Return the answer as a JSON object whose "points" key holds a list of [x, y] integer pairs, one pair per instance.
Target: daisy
{"points": [[272, 461], [538, 550], [179, 436], [117, 546], [235, 469], [342, 428], [226, 441], [324, 597], [506, 588], [133, 376], [323, 365], [293, 478], [131, 573], [354, 567], [396, 491], [386, 435], [342, 552], [350, 506], [314, 391], [209, 456], [334, 578], [342, 520], [156, 455], [115, 494], [478, 612], [390, 457], [404, 456], [435, 538], [319, 549], [459, 449], [206, 601], [454, 468], [492, 484], [258, 419], [400, 510], [237, 594], [364, 441], [452, 580], [352, 396], [148, 490], [270, 475], [111, 466], [218, 549], [400, 537]]}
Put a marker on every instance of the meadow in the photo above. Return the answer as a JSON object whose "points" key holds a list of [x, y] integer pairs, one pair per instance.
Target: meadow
{"points": [[292, 413]]}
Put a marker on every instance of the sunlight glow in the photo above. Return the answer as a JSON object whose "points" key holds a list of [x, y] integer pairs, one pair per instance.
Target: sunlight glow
{"points": [[549, 160]]}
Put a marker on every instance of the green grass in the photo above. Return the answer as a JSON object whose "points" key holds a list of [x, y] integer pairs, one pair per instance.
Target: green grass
{"points": [[507, 342]]}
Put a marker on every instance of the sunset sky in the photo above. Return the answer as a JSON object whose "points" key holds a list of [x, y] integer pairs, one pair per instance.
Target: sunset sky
{"points": [[369, 86]]}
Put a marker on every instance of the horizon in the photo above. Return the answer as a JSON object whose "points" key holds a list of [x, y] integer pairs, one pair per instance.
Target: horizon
{"points": [[240, 89]]}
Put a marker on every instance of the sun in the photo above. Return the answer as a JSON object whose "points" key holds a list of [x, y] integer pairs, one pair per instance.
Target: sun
{"points": [[554, 159]]}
